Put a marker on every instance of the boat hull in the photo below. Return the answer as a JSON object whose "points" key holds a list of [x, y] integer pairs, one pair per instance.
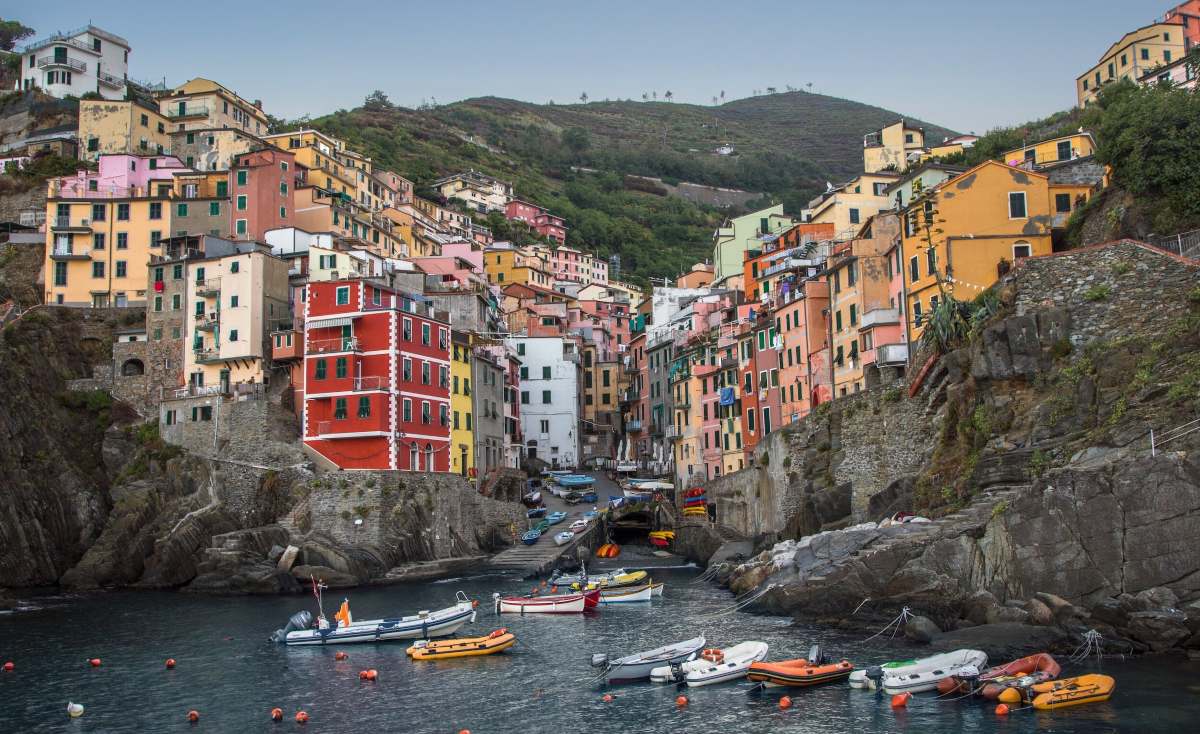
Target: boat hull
{"points": [[436, 624], [554, 604], [626, 595], [638, 667], [798, 673], [923, 675], [466, 647]]}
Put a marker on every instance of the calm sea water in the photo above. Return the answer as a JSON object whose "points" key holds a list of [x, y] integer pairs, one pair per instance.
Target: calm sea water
{"points": [[229, 673]]}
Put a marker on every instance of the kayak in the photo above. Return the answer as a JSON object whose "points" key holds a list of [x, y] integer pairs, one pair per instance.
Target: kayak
{"points": [[495, 642]]}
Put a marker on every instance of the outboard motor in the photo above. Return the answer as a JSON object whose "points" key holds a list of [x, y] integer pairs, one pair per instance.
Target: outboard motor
{"points": [[301, 620], [599, 660], [677, 673], [816, 656], [875, 673]]}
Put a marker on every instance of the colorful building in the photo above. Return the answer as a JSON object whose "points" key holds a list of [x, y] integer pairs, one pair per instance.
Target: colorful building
{"points": [[477, 191], [550, 397], [1186, 14], [377, 378], [805, 371], [893, 148], [202, 104], [1054, 150], [119, 126], [88, 60], [737, 235], [321, 155], [547, 225], [1134, 55], [846, 207], [214, 149], [462, 410], [263, 188], [508, 265]]}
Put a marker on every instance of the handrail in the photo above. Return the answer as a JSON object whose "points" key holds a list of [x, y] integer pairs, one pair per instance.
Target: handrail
{"points": [[45, 61], [1172, 434]]}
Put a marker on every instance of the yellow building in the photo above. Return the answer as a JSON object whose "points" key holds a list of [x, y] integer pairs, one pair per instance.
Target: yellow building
{"points": [[988, 217], [316, 210], [893, 147], [1136, 53], [111, 126], [203, 104], [212, 149], [1054, 150], [322, 155], [848, 206], [462, 428], [505, 266], [234, 301]]}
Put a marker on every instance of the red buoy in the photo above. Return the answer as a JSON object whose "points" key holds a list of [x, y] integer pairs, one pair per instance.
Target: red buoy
{"points": [[8, 667], [900, 700], [301, 717], [95, 662], [1002, 709], [608, 698], [277, 714], [339, 655], [785, 702], [681, 701], [193, 716], [170, 663]]}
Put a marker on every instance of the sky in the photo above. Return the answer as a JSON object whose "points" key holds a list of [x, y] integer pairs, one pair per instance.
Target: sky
{"points": [[966, 65]]}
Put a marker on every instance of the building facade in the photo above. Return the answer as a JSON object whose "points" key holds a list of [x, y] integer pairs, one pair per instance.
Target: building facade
{"points": [[88, 60], [549, 398]]}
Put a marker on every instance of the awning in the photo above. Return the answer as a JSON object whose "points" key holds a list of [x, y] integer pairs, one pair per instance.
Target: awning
{"points": [[322, 322]]}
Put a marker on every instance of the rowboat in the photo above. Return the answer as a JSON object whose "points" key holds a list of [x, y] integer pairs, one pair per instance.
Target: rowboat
{"points": [[423, 624], [549, 604], [555, 518], [915, 676], [575, 480], [633, 578], [536, 512], [564, 537], [565, 579], [498, 641], [713, 666], [638, 666], [579, 525], [626, 594], [814, 670], [558, 472], [656, 588], [529, 537]]}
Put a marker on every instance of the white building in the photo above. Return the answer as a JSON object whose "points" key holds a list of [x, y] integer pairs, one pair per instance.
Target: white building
{"points": [[77, 62], [549, 398]]}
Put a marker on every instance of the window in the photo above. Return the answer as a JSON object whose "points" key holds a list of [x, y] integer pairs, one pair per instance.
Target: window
{"points": [[914, 272], [521, 349], [233, 335], [838, 320], [544, 425], [930, 261], [425, 373], [426, 413], [98, 269], [122, 212], [158, 303], [214, 208], [364, 407], [339, 409], [181, 210], [1016, 205], [444, 415], [425, 334], [343, 296], [98, 241], [545, 397], [283, 187], [339, 368], [241, 202], [1022, 250], [121, 269], [917, 312], [202, 413], [155, 236], [241, 226], [1145, 56], [176, 302], [1062, 203], [60, 273], [122, 240], [524, 393], [750, 419], [234, 266], [1167, 55], [524, 373], [222, 189], [854, 217], [241, 178], [407, 409], [156, 210], [177, 271], [545, 373], [1064, 150], [853, 314], [98, 212], [319, 370]]}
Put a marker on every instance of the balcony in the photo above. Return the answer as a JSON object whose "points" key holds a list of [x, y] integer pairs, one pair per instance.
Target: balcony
{"points": [[353, 427], [786, 264], [634, 426], [208, 321], [629, 367], [891, 354], [333, 346], [673, 433], [109, 80], [285, 345], [208, 287], [727, 362], [66, 251], [371, 383], [207, 356], [63, 224], [193, 111], [879, 317], [60, 62]]}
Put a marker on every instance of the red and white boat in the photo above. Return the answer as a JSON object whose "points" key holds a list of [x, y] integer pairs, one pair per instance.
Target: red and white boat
{"points": [[549, 604]]}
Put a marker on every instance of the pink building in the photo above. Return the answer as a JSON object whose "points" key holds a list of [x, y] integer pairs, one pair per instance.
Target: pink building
{"points": [[468, 251], [121, 175], [541, 221]]}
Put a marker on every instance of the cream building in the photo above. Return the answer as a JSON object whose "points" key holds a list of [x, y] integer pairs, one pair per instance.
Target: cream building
{"points": [[202, 104]]}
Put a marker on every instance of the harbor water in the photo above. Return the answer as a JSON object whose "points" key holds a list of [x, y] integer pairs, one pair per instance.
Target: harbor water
{"points": [[228, 672]]}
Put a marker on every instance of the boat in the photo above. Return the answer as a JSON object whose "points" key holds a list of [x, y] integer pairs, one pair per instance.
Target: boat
{"points": [[1058, 694], [423, 624], [566, 579], [536, 512], [555, 518], [638, 666], [713, 666], [557, 472], [923, 674], [463, 647], [608, 550], [533, 499], [656, 588], [626, 594], [814, 670], [1020, 673], [590, 515], [575, 480], [548, 604], [564, 537], [615, 580], [589, 496], [529, 537], [636, 495], [578, 525]]}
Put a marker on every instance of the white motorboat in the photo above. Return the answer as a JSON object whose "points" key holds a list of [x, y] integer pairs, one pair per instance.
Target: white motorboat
{"points": [[566, 579], [916, 676], [728, 664], [578, 525], [422, 625], [626, 594], [638, 666], [564, 537]]}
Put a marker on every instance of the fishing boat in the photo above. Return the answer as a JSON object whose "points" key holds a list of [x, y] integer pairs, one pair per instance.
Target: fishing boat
{"points": [[498, 641], [590, 515], [1058, 694], [713, 666], [533, 499], [564, 537], [555, 518], [346, 630], [557, 472], [590, 497], [1021, 673], [814, 670], [549, 604], [916, 676], [536, 512], [529, 537], [638, 666], [626, 594], [575, 480]]}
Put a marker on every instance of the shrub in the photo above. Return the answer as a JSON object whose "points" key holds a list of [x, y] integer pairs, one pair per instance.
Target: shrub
{"points": [[1097, 293]]}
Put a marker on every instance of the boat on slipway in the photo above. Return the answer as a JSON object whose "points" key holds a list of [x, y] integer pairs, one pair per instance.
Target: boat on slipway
{"points": [[638, 666], [424, 624]]}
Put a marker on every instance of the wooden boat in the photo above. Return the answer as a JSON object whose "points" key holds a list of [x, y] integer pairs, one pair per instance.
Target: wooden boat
{"points": [[578, 525], [713, 666], [536, 512], [923, 674], [549, 604], [532, 499], [498, 641], [542, 526], [814, 670], [656, 588], [529, 537], [626, 594], [638, 666], [1020, 673], [575, 481], [614, 580], [423, 624], [1057, 694], [555, 518], [564, 537]]}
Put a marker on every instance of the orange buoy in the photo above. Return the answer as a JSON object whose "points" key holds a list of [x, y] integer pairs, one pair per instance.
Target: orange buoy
{"points": [[1002, 709], [608, 698], [95, 662], [277, 714], [900, 700], [170, 662], [371, 674], [681, 701], [1010, 695], [785, 702], [193, 716], [8, 667], [465, 731], [301, 717], [339, 655], [474, 603]]}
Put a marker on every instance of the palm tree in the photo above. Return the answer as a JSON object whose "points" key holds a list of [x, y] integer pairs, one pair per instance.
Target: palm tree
{"points": [[714, 100], [810, 87], [654, 94]]}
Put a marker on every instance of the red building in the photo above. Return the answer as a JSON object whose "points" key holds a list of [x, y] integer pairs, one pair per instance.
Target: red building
{"points": [[1187, 13], [376, 378], [262, 186], [541, 221]]}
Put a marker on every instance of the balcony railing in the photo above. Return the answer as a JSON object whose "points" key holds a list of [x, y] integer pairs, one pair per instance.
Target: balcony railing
{"points": [[197, 391], [72, 64], [110, 80], [370, 383], [891, 354], [65, 223], [208, 321], [327, 346], [208, 287], [66, 251], [634, 426], [879, 317], [204, 356], [672, 432], [193, 111], [788, 264]]}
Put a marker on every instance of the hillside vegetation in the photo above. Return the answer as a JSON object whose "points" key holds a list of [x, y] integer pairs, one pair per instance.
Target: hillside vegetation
{"points": [[786, 147]]}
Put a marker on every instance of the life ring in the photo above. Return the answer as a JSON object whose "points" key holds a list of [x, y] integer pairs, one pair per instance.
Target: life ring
{"points": [[713, 655], [499, 633]]}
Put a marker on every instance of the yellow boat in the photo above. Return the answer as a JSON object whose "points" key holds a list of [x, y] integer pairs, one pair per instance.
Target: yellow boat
{"points": [[664, 534], [633, 578], [1057, 694], [462, 647]]}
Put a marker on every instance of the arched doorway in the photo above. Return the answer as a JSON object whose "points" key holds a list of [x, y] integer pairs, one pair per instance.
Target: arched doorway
{"points": [[133, 368], [428, 457], [531, 450], [414, 457]]}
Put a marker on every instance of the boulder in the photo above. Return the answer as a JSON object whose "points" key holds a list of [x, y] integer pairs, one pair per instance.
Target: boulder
{"points": [[287, 559], [1001, 642], [332, 578], [1053, 601], [921, 629], [1159, 630], [275, 552], [979, 605], [1159, 597], [1109, 611], [1008, 615], [1038, 612]]}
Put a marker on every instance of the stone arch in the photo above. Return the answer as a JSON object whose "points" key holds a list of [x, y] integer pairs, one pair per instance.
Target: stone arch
{"points": [[133, 368]]}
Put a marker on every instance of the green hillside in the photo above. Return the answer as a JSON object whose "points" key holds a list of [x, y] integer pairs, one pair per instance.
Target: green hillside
{"points": [[786, 146]]}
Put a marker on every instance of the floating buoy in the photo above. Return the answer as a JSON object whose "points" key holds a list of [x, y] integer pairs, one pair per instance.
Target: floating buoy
{"points": [[301, 717], [170, 662], [465, 731], [371, 674], [193, 716], [276, 714], [74, 710], [339, 655], [681, 701], [8, 667], [1002, 709], [900, 700], [95, 662], [608, 698], [1010, 695], [785, 702]]}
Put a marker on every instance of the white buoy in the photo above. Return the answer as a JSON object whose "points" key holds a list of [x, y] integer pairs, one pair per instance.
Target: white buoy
{"points": [[74, 710]]}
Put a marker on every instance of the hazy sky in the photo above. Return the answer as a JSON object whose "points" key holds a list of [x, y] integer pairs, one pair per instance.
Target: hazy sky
{"points": [[968, 65]]}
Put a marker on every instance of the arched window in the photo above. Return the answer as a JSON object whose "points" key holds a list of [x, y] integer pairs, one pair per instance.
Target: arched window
{"points": [[133, 368], [428, 457], [413, 457]]}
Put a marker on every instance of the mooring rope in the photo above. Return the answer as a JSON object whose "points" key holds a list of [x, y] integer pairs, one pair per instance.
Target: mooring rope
{"points": [[904, 616], [1093, 642]]}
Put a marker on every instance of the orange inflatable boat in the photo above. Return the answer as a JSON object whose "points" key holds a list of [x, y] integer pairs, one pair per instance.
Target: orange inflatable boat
{"points": [[800, 672], [1023, 672]]}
